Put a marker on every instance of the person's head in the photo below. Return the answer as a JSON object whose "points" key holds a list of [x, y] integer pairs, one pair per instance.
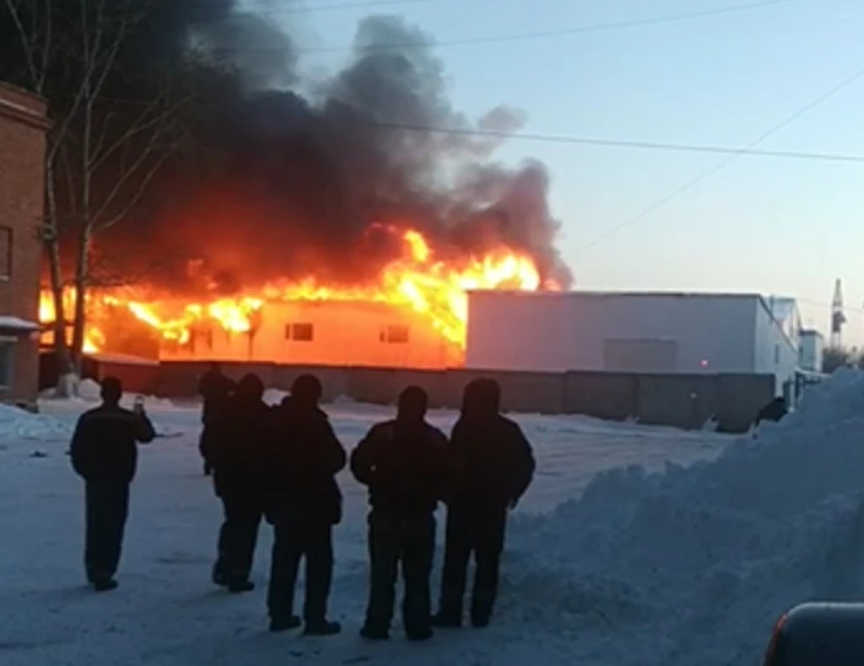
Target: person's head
{"points": [[412, 405], [482, 397], [306, 391], [250, 388], [111, 391]]}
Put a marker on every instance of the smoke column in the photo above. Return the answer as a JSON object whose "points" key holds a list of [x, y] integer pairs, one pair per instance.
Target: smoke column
{"points": [[297, 184]]}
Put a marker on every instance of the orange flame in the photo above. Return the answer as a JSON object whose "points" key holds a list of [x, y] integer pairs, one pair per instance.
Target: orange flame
{"points": [[435, 289]]}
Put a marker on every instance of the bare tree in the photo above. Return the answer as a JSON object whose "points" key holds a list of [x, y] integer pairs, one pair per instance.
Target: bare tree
{"points": [[103, 152], [33, 22]]}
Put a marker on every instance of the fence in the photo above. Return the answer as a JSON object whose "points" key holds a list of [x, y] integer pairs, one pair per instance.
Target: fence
{"points": [[684, 401]]}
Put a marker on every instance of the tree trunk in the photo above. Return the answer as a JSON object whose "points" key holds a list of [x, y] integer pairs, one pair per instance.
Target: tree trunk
{"points": [[66, 378], [80, 317]]}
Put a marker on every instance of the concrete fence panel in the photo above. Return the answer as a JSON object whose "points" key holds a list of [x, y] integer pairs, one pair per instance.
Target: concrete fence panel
{"points": [[334, 381], [610, 396], [434, 382], [374, 385], [179, 379], [685, 401], [739, 399], [531, 392], [237, 369]]}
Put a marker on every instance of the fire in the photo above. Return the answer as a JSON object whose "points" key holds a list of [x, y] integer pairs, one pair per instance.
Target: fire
{"points": [[435, 289]]}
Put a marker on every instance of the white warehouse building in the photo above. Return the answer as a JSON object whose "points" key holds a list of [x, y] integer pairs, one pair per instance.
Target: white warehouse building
{"points": [[668, 333]]}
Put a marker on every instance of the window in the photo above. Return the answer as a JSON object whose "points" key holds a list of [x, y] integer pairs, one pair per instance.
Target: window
{"points": [[394, 333], [5, 253], [300, 332], [7, 349]]}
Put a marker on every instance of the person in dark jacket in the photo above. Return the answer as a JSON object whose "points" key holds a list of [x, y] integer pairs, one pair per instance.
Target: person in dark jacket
{"points": [[238, 454], [104, 453], [215, 389], [492, 465], [404, 464], [303, 506]]}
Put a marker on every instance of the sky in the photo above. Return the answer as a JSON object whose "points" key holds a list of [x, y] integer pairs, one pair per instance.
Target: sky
{"points": [[636, 219]]}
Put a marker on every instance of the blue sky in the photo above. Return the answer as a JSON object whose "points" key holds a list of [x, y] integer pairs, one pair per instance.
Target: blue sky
{"points": [[775, 226]]}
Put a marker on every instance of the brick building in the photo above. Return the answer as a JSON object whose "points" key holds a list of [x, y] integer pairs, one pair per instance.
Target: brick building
{"points": [[23, 127]]}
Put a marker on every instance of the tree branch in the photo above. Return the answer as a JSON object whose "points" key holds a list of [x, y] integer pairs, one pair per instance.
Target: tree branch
{"points": [[133, 200], [26, 43], [141, 125]]}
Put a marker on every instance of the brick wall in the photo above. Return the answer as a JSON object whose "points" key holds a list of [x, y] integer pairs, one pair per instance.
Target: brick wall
{"points": [[23, 126]]}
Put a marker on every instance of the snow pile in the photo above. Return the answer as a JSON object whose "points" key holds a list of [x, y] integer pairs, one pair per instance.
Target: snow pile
{"points": [[695, 564], [17, 424], [89, 390], [274, 396]]}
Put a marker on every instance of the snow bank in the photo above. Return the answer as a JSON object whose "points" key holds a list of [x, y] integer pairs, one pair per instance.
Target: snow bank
{"points": [[89, 391], [695, 564], [17, 424]]}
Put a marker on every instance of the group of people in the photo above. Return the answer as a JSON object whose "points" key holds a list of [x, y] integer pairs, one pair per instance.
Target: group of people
{"points": [[279, 464]]}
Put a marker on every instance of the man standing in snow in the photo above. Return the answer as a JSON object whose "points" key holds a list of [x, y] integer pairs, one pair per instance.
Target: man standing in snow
{"points": [[304, 503], [238, 454], [215, 389], [104, 453], [404, 464], [492, 465]]}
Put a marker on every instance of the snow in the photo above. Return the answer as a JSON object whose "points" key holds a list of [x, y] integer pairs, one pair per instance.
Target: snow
{"points": [[122, 359], [17, 424], [17, 324], [682, 549]]}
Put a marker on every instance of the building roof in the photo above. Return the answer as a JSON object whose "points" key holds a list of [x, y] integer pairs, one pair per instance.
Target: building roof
{"points": [[23, 106], [10, 323], [782, 307], [618, 294]]}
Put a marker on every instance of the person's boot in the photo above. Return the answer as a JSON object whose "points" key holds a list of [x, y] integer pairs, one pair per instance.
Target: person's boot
{"points": [[322, 628], [481, 611], [105, 584], [240, 585], [219, 578], [447, 620], [372, 633], [286, 623], [419, 634]]}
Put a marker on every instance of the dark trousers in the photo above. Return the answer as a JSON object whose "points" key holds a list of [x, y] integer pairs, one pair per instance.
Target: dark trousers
{"points": [[294, 540], [107, 507], [409, 541], [238, 537], [477, 532]]}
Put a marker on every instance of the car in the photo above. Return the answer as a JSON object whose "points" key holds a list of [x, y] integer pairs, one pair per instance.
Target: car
{"points": [[818, 634]]}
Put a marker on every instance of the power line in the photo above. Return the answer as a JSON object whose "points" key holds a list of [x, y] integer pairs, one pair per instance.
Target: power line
{"points": [[525, 36], [343, 6], [748, 149]]}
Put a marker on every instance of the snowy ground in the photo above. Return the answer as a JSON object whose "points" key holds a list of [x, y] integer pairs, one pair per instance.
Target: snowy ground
{"points": [[553, 610]]}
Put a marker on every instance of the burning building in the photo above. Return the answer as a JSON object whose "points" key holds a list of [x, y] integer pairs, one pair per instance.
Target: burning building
{"points": [[338, 333], [414, 314]]}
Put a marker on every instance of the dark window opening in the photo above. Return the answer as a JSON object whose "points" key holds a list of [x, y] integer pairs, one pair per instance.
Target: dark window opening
{"points": [[7, 349], [394, 334], [300, 332], [5, 252]]}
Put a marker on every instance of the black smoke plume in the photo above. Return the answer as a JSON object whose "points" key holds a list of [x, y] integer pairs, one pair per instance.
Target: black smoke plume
{"points": [[290, 176]]}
